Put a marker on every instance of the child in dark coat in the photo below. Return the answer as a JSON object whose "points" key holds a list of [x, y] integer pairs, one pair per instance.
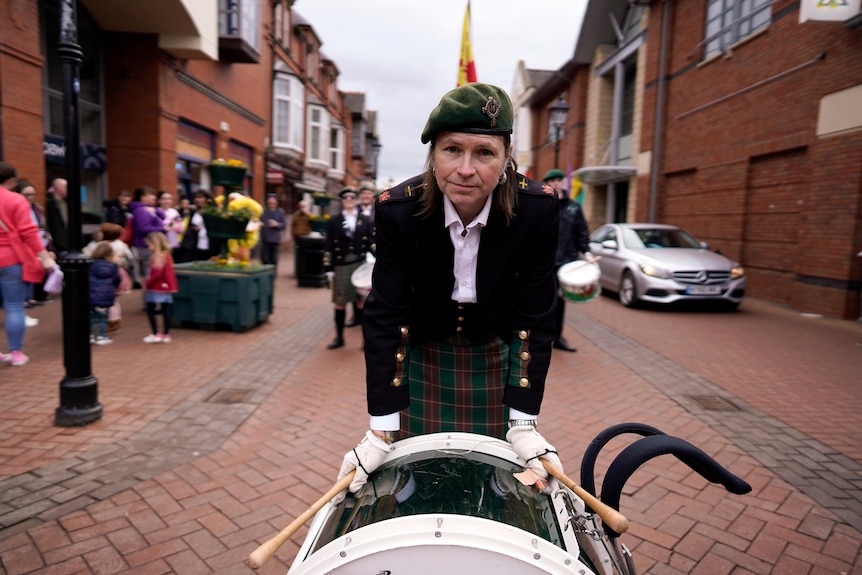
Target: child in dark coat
{"points": [[104, 280]]}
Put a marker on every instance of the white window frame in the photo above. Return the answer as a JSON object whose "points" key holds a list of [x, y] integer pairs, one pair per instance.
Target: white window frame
{"points": [[318, 136], [729, 21], [293, 102], [336, 149]]}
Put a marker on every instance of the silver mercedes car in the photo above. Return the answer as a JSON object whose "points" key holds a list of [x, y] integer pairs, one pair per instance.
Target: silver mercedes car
{"points": [[664, 264]]}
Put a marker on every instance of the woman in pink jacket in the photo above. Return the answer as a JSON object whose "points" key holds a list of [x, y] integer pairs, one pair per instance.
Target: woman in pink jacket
{"points": [[22, 258]]}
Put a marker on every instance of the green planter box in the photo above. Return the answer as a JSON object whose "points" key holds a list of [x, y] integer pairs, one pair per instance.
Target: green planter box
{"points": [[234, 299], [224, 228], [231, 176]]}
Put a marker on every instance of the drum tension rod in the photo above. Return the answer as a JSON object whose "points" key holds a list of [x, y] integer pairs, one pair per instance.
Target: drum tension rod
{"points": [[578, 521]]}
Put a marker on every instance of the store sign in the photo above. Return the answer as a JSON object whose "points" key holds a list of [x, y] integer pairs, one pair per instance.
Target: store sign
{"points": [[274, 177], [93, 157], [828, 10]]}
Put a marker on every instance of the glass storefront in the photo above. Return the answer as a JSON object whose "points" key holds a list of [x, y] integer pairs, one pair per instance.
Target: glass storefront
{"points": [[92, 114]]}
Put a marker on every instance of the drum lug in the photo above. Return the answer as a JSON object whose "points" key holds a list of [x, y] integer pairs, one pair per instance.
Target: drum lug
{"points": [[577, 521]]}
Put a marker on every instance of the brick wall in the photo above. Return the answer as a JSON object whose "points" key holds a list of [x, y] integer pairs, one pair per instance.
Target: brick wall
{"points": [[21, 93], [741, 165]]}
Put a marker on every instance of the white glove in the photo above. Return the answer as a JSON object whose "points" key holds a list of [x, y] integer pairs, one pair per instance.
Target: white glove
{"points": [[369, 453], [330, 276], [589, 256], [530, 445]]}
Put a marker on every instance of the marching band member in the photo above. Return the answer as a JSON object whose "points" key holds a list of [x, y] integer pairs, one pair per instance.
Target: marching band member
{"points": [[460, 320], [349, 236]]}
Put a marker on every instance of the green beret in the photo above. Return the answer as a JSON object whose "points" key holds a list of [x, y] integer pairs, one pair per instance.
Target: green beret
{"points": [[554, 174], [348, 190], [473, 108], [368, 187]]}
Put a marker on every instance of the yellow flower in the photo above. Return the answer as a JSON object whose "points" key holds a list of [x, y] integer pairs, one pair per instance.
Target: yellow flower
{"points": [[231, 162]]}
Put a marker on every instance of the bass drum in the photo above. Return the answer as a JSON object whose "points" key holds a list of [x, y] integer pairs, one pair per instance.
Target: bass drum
{"points": [[579, 280], [449, 503]]}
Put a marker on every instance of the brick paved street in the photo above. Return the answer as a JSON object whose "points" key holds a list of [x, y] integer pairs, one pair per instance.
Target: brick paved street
{"points": [[170, 481]]}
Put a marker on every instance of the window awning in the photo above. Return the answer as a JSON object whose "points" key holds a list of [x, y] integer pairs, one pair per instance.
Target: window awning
{"points": [[601, 175]]}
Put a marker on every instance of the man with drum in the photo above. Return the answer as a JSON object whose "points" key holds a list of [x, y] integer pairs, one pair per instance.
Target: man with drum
{"points": [[461, 316], [348, 239], [574, 240]]}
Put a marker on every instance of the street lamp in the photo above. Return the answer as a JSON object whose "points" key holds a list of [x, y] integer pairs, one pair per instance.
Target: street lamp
{"points": [[79, 396], [556, 122], [375, 154]]}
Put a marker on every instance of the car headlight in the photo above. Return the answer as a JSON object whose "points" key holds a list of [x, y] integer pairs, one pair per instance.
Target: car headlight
{"points": [[737, 272], [655, 272]]}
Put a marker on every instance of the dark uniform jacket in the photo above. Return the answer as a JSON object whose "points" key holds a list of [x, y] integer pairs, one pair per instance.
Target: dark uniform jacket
{"points": [[342, 248], [413, 281], [56, 225], [574, 233]]}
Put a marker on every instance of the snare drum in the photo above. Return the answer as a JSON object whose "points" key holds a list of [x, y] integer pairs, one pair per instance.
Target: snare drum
{"points": [[579, 280], [361, 278], [448, 502]]}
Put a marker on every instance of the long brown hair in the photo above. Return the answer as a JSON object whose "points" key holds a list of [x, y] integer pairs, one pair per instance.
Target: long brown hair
{"points": [[505, 194], [158, 242]]}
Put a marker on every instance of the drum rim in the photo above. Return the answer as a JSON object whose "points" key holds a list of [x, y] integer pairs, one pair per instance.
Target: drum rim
{"points": [[581, 265], [307, 563], [418, 531]]}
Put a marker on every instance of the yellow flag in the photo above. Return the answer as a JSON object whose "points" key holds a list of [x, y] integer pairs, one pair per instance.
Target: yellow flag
{"points": [[466, 66]]}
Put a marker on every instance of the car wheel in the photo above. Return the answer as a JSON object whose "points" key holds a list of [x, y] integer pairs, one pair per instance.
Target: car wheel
{"points": [[628, 290]]}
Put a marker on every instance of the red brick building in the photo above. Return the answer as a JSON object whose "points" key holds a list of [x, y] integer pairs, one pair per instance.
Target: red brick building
{"points": [[169, 86], [734, 120]]}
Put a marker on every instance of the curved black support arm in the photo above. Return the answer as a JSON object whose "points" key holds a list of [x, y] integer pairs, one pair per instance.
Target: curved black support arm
{"points": [[588, 463], [641, 451]]}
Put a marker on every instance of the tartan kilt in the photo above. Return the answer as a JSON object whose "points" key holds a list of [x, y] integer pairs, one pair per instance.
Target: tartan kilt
{"points": [[342, 288], [457, 385]]}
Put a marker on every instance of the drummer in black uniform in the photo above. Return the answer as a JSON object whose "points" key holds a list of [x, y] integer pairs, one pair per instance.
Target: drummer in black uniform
{"points": [[349, 236], [574, 242], [460, 320]]}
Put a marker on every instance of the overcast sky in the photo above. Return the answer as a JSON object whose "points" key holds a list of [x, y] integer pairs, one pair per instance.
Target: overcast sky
{"points": [[403, 54]]}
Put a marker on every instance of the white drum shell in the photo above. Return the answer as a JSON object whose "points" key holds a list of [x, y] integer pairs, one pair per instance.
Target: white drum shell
{"points": [[579, 280], [361, 278], [435, 543]]}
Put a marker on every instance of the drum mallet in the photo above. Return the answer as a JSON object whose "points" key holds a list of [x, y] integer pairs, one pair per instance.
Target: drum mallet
{"points": [[614, 519], [263, 553]]}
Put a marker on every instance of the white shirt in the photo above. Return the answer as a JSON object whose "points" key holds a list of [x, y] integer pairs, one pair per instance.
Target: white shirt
{"points": [[465, 240], [350, 220]]}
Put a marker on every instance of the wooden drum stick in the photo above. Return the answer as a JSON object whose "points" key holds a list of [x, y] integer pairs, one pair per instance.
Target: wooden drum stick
{"points": [[263, 553], [612, 518]]}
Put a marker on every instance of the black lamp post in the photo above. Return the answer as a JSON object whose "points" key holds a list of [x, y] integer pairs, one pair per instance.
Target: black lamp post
{"points": [[556, 122], [79, 396]]}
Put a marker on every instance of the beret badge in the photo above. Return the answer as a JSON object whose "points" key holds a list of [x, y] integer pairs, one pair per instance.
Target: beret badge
{"points": [[492, 110]]}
